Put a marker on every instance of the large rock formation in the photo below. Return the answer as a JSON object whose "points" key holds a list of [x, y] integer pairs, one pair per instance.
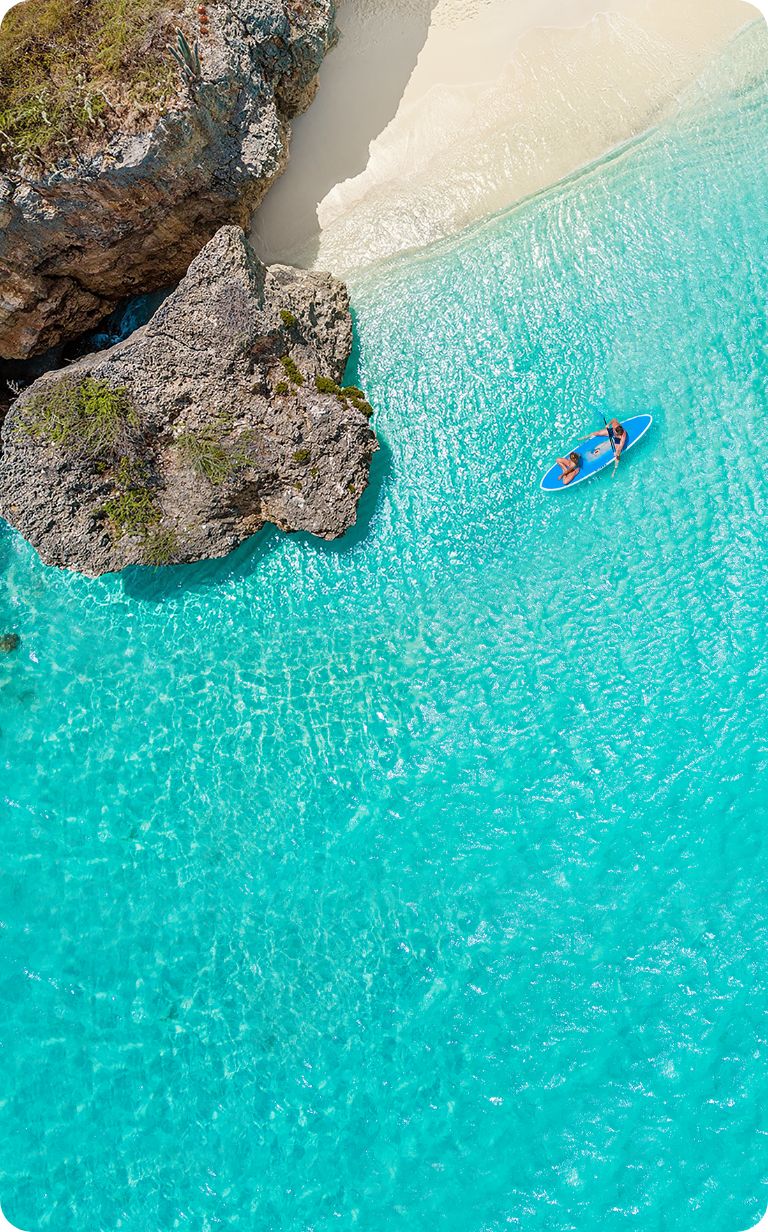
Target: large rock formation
{"points": [[128, 218], [219, 415]]}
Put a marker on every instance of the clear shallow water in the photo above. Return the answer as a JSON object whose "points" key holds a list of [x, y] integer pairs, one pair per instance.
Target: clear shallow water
{"points": [[419, 881]]}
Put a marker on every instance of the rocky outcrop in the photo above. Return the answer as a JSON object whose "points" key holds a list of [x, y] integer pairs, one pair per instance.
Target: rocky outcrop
{"points": [[221, 414], [128, 218]]}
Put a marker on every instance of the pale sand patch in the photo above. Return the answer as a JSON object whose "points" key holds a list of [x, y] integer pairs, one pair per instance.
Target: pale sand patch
{"points": [[433, 113], [362, 83]]}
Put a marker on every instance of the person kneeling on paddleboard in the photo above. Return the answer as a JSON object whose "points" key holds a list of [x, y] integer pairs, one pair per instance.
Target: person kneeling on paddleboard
{"points": [[617, 435], [570, 466]]}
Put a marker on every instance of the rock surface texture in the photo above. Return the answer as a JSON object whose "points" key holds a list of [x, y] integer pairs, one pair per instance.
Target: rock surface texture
{"points": [[130, 217], [187, 437]]}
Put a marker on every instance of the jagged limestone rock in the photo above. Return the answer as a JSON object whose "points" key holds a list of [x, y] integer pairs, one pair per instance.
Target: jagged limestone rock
{"points": [[181, 441]]}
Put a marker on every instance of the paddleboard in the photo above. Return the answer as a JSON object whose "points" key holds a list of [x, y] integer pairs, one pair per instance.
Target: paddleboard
{"points": [[596, 454]]}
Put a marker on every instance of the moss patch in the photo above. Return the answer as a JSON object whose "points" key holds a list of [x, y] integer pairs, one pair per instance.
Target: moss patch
{"points": [[69, 68]]}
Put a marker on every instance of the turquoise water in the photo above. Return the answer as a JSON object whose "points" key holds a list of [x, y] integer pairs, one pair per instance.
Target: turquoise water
{"points": [[419, 881]]}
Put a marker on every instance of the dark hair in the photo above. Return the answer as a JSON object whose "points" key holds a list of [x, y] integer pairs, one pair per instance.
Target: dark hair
{"points": [[575, 456]]}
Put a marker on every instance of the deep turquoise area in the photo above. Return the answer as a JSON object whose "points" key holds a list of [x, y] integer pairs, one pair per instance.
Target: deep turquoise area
{"points": [[420, 881]]}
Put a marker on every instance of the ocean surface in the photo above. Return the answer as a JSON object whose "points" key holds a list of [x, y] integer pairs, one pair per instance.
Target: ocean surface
{"points": [[420, 881]]}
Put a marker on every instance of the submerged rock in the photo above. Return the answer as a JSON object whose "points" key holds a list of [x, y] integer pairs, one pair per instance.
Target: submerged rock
{"points": [[221, 414], [108, 223], [9, 642]]}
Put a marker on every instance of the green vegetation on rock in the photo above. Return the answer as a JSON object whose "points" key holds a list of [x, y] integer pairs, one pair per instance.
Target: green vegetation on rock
{"points": [[95, 420], [210, 456], [188, 60], [69, 68], [288, 318], [324, 385], [349, 393], [291, 370], [358, 400], [161, 546], [90, 417], [133, 509]]}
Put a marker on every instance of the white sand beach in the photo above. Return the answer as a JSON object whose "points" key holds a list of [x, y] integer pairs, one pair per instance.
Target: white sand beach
{"points": [[433, 113]]}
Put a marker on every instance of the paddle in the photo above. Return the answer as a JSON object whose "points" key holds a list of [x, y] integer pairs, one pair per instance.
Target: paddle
{"points": [[613, 445]]}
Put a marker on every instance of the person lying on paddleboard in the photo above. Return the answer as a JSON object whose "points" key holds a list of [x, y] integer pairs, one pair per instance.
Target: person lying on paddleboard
{"points": [[615, 433], [569, 466]]}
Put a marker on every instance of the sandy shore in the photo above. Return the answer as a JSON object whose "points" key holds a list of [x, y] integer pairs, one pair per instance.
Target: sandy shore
{"points": [[433, 113]]}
